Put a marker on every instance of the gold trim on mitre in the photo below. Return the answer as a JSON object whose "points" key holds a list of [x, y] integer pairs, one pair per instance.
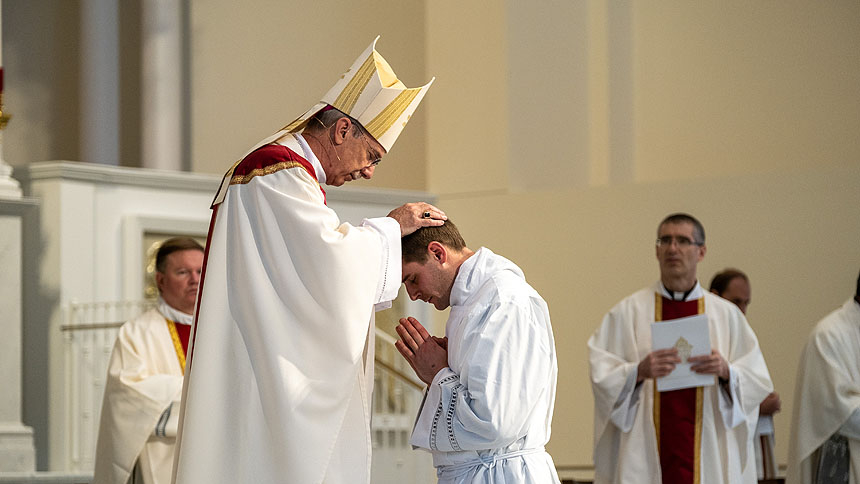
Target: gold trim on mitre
{"points": [[370, 93]]}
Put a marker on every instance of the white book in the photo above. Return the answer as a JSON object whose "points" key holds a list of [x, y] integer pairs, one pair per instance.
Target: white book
{"points": [[691, 337]]}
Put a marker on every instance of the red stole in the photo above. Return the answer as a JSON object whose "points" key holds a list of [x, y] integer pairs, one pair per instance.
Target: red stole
{"points": [[183, 330], [678, 414], [179, 333]]}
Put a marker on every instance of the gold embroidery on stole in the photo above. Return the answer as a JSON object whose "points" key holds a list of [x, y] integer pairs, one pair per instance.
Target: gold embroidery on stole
{"points": [[268, 170], [658, 316], [177, 344]]}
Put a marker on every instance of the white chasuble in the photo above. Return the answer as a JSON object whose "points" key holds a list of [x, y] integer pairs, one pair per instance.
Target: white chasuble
{"points": [[827, 392], [277, 383], [142, 391], [486, 417], [625, 443]]}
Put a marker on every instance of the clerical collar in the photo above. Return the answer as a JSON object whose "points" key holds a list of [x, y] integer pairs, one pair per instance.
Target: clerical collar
{"points": [[312, 158], [694, 293], [173, 314]]}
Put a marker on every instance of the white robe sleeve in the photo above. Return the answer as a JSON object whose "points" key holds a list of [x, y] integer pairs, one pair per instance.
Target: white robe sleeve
{"points": [[749, 380], [388, 230], [168, 423], [477, 409], [613, 373], [624, 412], [730, 408]]}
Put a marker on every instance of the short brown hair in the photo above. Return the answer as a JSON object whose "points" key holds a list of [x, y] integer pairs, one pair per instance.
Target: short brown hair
{"points": [[721, 280], [679, 218], [172, 245], [414, 245]]}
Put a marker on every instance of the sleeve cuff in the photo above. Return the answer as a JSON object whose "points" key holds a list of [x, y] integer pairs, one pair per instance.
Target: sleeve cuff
{"points": [[425, 425], [730, 406], [390, 262], [623, 415]]}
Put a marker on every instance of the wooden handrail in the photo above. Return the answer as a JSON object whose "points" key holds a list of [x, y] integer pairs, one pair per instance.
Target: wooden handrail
{"points": [[399, 374]]}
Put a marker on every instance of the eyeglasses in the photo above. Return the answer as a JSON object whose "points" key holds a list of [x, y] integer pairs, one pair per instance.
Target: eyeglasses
{"points": [[374, 155], [681, 241]]}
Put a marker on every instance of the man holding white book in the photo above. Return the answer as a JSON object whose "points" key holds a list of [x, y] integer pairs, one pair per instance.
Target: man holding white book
{"points": [[698, 434]]}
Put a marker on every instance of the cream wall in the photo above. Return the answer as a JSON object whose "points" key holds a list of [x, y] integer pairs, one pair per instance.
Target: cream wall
{"points": [[468, 141], [739, 87]]}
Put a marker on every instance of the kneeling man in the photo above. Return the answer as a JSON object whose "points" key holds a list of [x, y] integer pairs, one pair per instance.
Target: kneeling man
{"points": [[488, 408]]}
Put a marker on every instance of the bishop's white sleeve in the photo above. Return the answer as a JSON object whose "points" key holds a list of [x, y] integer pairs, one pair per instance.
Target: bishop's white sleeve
{"points": [[486, 405], [388, 230]]}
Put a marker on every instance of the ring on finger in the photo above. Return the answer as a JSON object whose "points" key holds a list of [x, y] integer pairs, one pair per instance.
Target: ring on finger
{"points": [[426, 214]]}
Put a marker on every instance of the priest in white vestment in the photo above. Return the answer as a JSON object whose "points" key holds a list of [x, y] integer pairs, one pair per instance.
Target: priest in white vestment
{"points": [[487, 411], [825, 426], [140, 407], [694, 435], [280, 374]]}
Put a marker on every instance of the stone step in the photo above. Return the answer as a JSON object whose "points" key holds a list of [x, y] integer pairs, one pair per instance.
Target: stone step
{"points": [[44, 478]]}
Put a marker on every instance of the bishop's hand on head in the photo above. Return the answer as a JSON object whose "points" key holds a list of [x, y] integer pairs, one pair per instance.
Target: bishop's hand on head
{"points": [[413, 216]]}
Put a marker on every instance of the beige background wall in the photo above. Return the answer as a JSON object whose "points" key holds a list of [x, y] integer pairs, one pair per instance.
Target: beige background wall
{"points": [[557, 133]]}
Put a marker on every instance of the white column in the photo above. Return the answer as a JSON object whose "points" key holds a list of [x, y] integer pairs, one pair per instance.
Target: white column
{"points": [[17, 452], [99, 89], [161, 91], [17, 449], [9, 187]]}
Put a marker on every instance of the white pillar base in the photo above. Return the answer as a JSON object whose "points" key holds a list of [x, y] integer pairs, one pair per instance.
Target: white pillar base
{"points": [[9, 187], [17, 452]]}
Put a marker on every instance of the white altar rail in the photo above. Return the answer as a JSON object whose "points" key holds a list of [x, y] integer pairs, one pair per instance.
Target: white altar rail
{"points": [[397, 394], [89, 332]]}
